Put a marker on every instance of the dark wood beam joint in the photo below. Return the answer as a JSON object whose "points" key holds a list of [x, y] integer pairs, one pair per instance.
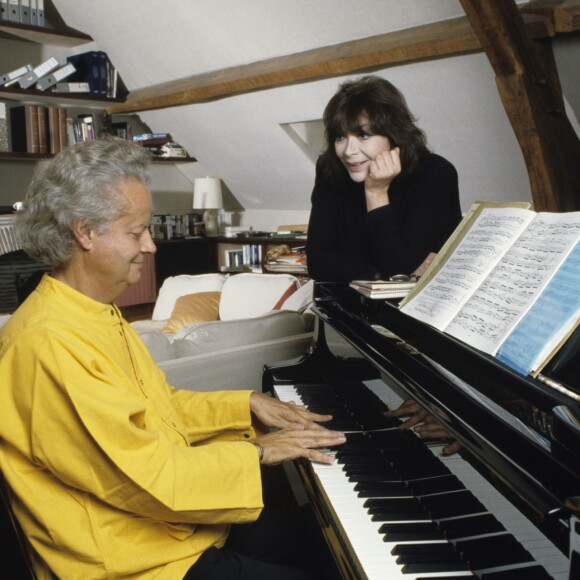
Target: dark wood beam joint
{"points": [[531, 94]]}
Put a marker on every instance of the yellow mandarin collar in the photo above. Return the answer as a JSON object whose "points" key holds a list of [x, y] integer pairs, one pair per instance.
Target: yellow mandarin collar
{"points": [[79, 303]]}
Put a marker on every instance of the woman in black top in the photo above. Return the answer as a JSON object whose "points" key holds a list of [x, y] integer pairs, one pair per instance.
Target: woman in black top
{"points": [[382, 204]]}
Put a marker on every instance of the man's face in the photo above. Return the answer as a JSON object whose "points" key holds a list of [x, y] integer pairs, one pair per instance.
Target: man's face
{"points": [[117, 255]]}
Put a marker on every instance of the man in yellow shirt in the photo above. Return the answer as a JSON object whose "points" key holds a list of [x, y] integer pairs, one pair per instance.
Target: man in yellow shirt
{"points": [[112, 472]]}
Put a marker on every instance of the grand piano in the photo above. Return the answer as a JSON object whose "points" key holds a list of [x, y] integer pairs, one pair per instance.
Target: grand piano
{"points": [[507, 506]]}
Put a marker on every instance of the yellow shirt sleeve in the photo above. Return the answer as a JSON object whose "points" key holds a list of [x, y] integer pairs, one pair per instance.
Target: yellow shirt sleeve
{"points": [[115, 431]]}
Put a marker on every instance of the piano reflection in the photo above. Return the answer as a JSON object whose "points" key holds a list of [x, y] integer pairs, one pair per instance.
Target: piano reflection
{"points": [[505, 507]]}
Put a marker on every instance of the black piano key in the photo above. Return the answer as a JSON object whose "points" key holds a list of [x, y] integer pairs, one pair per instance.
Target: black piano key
{"points": [[395, 439], [493, 551], [454, 577], [443, 558], [415, 531], [439, 484], [431, 548], [371, 469], [425, 567], [399, 517], [394, 509], [384, 475], [419, 467], [382, 489], [413, 536], [534, 572], [371, 421], [471, 526], [449, 505], [385, 504], [360, 459], [355, 446]]}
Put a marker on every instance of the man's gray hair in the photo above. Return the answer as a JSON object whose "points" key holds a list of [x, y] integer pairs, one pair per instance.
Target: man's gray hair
{"points": [[80, 185]]}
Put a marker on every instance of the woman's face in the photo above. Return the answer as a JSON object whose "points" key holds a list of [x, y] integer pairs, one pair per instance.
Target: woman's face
{"points": [[357, 150]]}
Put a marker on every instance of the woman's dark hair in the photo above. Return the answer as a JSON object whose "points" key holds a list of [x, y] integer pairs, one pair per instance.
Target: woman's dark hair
{"points": [[383, 107]]}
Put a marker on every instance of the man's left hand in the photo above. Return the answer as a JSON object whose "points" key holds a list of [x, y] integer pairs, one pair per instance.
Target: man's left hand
{"points": [[274, 413]]}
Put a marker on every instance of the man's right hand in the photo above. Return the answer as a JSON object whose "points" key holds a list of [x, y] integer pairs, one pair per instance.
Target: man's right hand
{"points": [[288, 444]]}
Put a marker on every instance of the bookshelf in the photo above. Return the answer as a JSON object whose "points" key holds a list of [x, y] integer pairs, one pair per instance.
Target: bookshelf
{"points": [[62, 36], [226, 248], [55, 34]]}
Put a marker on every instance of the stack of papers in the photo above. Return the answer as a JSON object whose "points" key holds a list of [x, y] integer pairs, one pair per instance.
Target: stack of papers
{"points": [[382, 288]]}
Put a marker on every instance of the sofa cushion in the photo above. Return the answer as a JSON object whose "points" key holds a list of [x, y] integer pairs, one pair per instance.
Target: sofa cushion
{"points": [[159, 346], [220, 335], [301, 299], [176, 286], [192, 308], [248, 295]]}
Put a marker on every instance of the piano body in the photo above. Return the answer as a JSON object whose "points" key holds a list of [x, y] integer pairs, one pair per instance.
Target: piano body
{"points": [[520, 445]]}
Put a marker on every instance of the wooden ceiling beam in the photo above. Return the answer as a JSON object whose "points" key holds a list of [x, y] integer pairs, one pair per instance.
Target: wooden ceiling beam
{"points": [[564, 14], [445, 38], [530, 91]]}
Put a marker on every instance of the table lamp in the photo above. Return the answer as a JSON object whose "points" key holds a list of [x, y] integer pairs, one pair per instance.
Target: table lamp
{"points": [[207, 195]]}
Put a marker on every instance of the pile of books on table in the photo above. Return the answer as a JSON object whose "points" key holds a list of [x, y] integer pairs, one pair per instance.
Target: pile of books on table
{"points": [[291, 261], [382, 289]]}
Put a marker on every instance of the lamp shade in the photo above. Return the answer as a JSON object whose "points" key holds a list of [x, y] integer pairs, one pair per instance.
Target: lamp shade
{"points": [[207, 193]]}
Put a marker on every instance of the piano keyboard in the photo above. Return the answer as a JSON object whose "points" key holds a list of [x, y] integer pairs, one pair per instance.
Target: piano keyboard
{"points": [[472, 517]]}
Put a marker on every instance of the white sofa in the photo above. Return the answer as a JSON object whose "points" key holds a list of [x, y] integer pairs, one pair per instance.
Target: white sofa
{"points": [[261, 318]]}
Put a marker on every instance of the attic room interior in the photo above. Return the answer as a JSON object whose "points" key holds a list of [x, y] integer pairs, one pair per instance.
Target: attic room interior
{"points": [[440, 368], [243, 94]]}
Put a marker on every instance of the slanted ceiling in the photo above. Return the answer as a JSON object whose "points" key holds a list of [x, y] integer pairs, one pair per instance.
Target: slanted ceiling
{"points": [[195, 53]]}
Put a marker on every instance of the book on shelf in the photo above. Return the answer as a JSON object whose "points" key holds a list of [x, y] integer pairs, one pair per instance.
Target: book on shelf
{"points": [[38, 129], [53, 130], [72, 87], [122, 129], [506, 283], [43, 129], [4, 143], [24, 129], [88, 70], [382, 289], [149, 139], [95, 68], [88, 127]]}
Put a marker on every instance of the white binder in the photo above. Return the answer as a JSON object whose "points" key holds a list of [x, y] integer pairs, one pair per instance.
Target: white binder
{"points": [[52, 78], [38, 72], [4, 10], [33, 13], [12, 77], [25, 11], [40, 12], [13, 11]]}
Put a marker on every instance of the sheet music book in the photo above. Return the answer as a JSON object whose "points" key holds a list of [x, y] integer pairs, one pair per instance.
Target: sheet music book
{"points": [[506, 283]]}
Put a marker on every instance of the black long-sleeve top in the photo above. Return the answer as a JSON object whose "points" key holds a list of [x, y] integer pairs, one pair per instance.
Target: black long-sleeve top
{"points": [[346, 242]]}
